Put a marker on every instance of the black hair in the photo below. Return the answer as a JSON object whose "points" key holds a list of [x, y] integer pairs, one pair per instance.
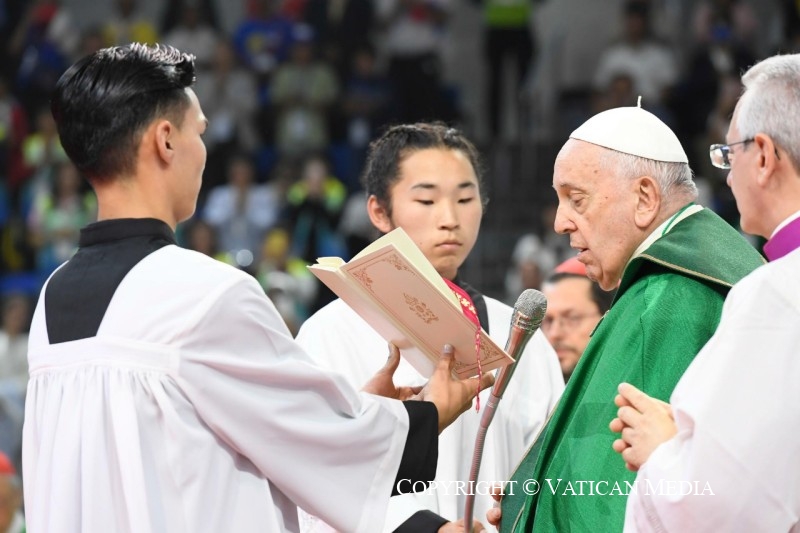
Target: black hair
{"points": [[602, 299], [103, 103], [382, 167]]}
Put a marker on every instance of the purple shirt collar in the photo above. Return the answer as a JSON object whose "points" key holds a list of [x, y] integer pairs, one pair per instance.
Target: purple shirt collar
{"points": [[786, 240]]}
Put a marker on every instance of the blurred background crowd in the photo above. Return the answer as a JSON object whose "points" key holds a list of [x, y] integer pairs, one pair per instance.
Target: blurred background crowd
{"points": [[295, 90]]}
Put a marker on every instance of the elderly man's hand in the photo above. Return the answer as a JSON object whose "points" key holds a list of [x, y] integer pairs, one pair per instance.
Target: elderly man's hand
{"points": [[643, 422]]}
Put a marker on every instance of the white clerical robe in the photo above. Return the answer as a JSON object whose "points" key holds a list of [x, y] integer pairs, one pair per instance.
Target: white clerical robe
{"points": [[194, 410], [738, 419], [341, 340]]}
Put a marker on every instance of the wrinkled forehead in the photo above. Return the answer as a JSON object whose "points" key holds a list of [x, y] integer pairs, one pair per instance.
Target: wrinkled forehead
{"points": [[580, 165]]}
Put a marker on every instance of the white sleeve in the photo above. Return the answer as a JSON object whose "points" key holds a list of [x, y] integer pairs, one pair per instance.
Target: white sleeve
{"points": [[737, 415], [330, 449], [338, 339]]}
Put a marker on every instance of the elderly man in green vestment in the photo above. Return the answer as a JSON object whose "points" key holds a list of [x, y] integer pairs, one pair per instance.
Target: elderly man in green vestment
{"points": [[626, 199]]}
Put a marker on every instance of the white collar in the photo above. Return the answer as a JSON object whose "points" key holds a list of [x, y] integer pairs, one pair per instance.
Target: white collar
{"points": [[665, 228], [785, 223]]}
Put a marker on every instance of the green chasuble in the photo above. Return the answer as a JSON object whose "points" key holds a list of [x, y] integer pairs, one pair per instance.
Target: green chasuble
{"points": [[666, 308]]}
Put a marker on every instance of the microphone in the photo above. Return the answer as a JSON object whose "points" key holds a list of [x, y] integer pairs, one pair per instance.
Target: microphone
{"points": [[528, 315], [526, 319]]}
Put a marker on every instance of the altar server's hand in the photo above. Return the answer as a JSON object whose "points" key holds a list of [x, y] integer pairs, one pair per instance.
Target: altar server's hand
{"points": [[644, 423], [452, 396], [382, 383]]}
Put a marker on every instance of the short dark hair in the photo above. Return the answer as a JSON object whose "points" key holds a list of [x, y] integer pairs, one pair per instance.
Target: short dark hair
{"points": [[382, 167], [104, 101], [602, 299]]}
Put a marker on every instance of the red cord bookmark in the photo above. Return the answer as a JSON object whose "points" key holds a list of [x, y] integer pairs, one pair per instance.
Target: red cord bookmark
{"points": [[468, 308]]}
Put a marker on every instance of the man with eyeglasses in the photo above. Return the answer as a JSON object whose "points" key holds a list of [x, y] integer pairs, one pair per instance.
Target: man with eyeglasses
{"points": [[731, 428], [626, 200], [575, 305]]}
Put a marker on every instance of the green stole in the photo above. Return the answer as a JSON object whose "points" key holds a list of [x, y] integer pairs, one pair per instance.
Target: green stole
{"points": [[666, 307]]}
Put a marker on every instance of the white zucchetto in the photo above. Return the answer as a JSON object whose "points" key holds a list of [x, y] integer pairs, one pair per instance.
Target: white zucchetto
{"points": [[632, 130]]}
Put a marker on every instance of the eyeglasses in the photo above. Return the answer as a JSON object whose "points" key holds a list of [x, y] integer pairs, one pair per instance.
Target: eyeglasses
{"points": [[720, 154], [566, 322]]}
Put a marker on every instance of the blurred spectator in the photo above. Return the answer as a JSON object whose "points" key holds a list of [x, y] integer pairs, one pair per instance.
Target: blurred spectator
{"points": [[303, 91], [716, 56], [718, 195], [173, 13], [16, 255], [263, 39], [194, 34], [413, 32], [285, 279], [127, 26], [42, 150], [92, 40], [58, 214], [342, 27], [228, 96], [791, 26], [42, 43], [315, 204], [575, 304], [650, 64], [200, 236], [355, 226], [16, 315], [241, 212], [620, 92], [735, 16], [13, 130], [507, 35], [364, 104], [531, 263], [11, 519], [730, 88], [11, 12], [14, 343]]}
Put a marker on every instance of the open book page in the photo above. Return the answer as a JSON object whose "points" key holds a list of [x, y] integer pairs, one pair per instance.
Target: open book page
{"points": [[408, 248], [391, 287]]}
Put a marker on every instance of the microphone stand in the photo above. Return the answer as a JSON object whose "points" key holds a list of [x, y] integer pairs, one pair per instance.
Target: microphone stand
{"points": [[521, 331]]}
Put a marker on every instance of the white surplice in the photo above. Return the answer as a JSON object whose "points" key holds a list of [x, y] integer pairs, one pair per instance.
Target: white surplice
{"points": [[734, 465], [194, 410], [341, 340]]}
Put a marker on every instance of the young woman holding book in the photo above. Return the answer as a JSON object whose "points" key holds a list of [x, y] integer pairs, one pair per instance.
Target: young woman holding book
{"points": [[426, 178]]}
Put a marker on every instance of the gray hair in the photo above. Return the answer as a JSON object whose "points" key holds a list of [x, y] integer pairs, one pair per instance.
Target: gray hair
{"points": [[771, 103], [674, 179]]}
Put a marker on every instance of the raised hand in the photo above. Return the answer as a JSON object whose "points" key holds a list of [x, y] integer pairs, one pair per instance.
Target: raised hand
{"points": [[643, 422], [382, 383]]}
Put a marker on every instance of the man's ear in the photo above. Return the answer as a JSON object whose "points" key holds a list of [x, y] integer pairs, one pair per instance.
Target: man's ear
{"points": [[768, 159], [163, 134], [378, 215], [648, 201]]}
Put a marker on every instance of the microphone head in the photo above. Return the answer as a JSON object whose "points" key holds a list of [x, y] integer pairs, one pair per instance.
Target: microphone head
{"points": [[529, 310]]}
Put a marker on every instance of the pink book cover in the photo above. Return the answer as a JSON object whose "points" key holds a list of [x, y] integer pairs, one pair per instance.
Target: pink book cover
{"points": [[408, 304]]}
